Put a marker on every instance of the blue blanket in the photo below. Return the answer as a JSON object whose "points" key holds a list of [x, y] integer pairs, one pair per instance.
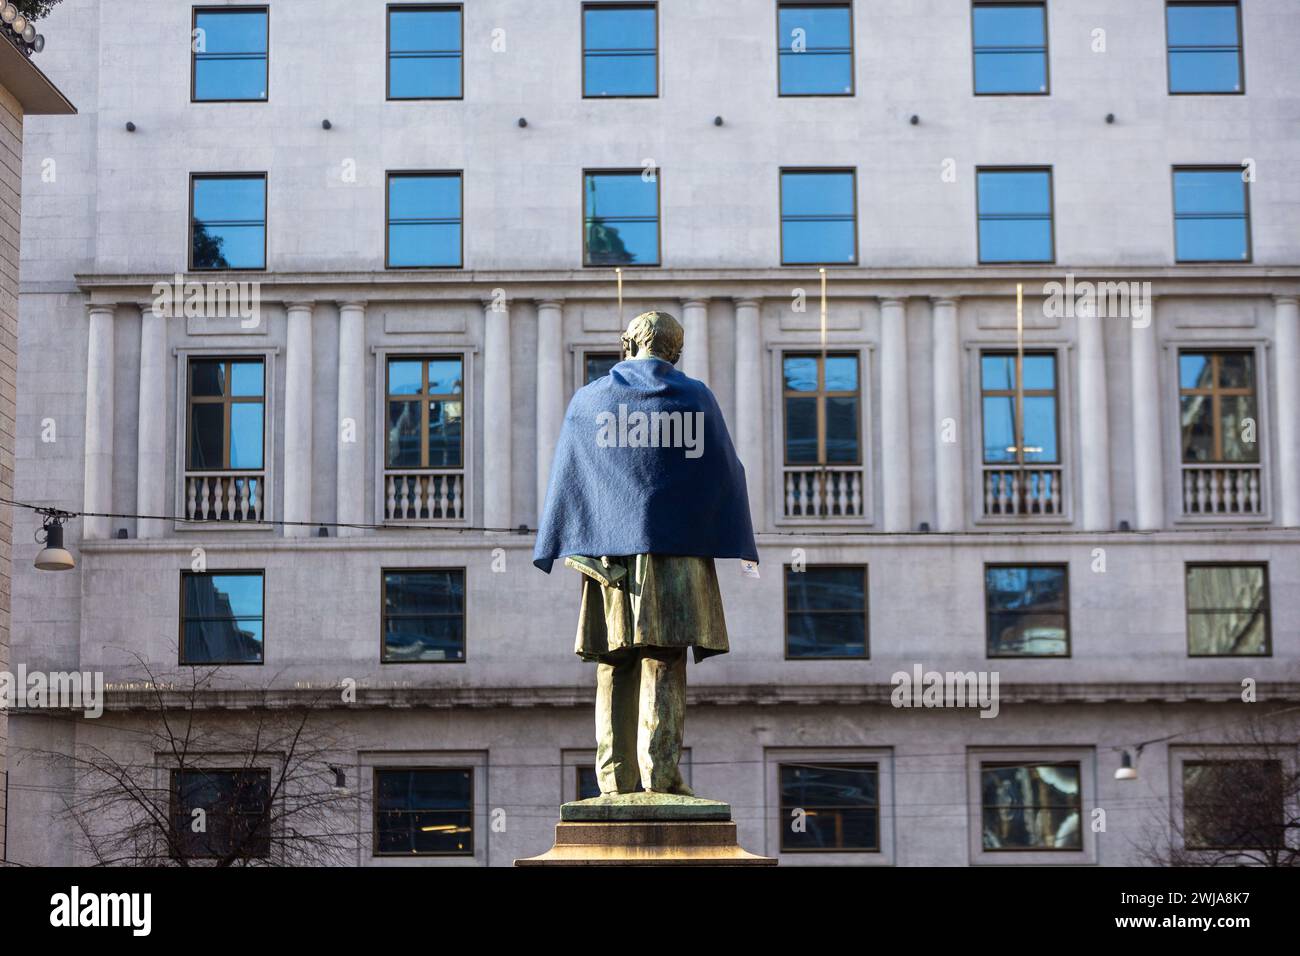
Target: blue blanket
{"points": [[645, 465]]}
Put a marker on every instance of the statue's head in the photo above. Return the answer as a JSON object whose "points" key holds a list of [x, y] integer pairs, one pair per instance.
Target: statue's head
{"points": [[655, 334]]}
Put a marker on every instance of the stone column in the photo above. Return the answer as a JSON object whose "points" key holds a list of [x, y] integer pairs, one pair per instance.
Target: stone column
{"points": [[349, 429], [550, 390], [895, 433], [151, 438], [949, 463], [497, 415], [1148, 449], [749, 405], [297, 419], [695, 350], [1286, 368], [1094, 428], [99, 422]]}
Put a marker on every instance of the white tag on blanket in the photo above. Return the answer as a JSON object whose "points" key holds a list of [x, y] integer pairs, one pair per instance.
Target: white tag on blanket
{"points": [[749, 568]]}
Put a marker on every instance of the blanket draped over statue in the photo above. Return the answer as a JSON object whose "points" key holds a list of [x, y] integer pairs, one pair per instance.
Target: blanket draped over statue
{"points": [[645, 465]]}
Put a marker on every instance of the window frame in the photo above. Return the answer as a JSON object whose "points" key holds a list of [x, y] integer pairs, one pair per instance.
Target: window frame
{"points": [[1241, 50], [173, 808], [1216, 393], [821, 394], [1064, 568], [582, 27], [775, 823], [978, 756], [1188, 611], [180, 609], [424, 396], [1181, 754], [388, 56], [659, 219], [781, 219], [464, 613], [853, 58], [266, 221], [226, 401], [872, 765], [1047, 51], [1018, 425], [194, 25], [786, 570], [1245, 210], [389, 176], [1051, 215], [469, 768]]}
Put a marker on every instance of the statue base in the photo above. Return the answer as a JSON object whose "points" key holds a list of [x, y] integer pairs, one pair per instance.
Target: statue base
{"points": [[646, 829]]}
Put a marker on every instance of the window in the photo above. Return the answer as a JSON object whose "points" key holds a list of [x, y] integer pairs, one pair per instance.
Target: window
{"points": [[587, 784], [1027, 610], [228, 222], [424, 220], [424, 616], [621, 218], [226, 409], [1010, 47], [427, 812], [1227, 610], [821, 409], [815, 49], [818, 217], [237, 812], [228, 54], [1211, 215], [826, 612], [1031, 806], [597, 364], [1019, 426], [1217, 410], [620, 49], [1233, 805], [221, 617], [1204, 48], [840, 803], [1015, 215], [425, 412], [424, 53]]}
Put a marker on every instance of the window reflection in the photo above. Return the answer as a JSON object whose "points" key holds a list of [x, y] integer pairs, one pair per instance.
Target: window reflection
{"points": [[1227, 610], [229, 54], [228, 222], [818, 217], [424, 53], [839, 805], [1010, 47], [815, 55], [826, 612], [621, 218], [424, 812], [1015, 215], [423, 616], [221, 618], [1031, 806], [424, 220], [1027, 610], [1211, 223], [1204, 47], [619, 56]]}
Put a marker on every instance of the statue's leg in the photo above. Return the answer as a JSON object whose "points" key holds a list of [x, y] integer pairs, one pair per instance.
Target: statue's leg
{"points": [[617, 679], [663, 718]]}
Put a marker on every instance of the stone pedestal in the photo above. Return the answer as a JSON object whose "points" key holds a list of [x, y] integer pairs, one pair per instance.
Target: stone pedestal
{"points": [[646, 829]]}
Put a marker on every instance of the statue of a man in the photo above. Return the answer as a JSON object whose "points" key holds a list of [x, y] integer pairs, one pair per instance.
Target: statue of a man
{"points": [[645, 492]]}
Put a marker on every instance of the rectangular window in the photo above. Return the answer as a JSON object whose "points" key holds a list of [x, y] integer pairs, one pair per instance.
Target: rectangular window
{"points": [[221, 617], [1015, 215], [1205, 48], [1027, 610], [815, 49], [226, 414], [597, 364], [819, 223], [236, 807], [228, 221], [1019, 425], [1228, 610], [425, 412], [424, 616], [620, 49], [424, 812], [424, 220], [1234, 805], [228, 54], [1031, 806], [1010, 48], [620, 218], [826, 612], [424, 52], [1211, 215], [840, 804], [822, 402], [1217, 406]]}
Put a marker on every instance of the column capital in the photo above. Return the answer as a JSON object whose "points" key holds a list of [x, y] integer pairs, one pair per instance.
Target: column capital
{"points": [[899, 301], [748, 303], [551, 303], [356, 305], [1286, 298], [300, 305], [93, 308], [695, 303], [938, 300], [490, 305]]}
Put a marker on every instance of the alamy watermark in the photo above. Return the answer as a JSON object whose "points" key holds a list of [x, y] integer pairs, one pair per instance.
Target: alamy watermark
{"points": [[922, 688], [651, 430], [1102, 300], [210, 299], [57, 690]]}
